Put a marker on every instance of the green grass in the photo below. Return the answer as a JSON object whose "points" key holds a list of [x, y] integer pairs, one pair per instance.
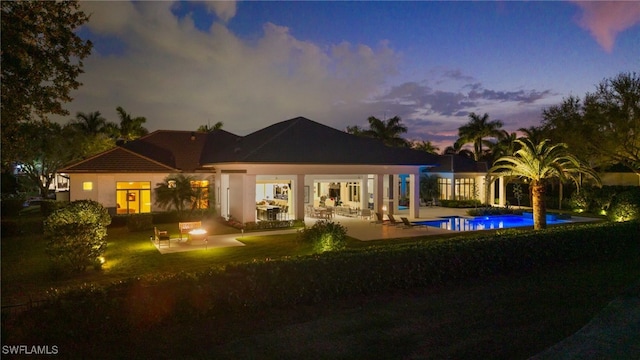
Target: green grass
{"points": [[26, 267]]}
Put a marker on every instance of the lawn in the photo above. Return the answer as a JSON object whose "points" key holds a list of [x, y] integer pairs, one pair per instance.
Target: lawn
{"points": [[508, 316]]}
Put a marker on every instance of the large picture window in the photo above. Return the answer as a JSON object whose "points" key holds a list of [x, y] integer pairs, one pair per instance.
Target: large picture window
{"points": [[465, 188], [445, 188], [133, 197]]}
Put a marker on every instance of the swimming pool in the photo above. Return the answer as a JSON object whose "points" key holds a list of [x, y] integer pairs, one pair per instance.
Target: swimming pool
{"points": [[457, 223]]}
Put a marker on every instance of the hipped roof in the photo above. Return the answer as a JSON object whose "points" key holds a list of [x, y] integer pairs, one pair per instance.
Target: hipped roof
{"points": [[294, 141]]}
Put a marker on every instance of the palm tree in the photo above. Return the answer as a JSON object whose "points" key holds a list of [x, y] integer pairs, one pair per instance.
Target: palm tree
{"points": [[90, 124], [535, 133], [538, 163], [476, 130], [429, 188], [457, 149], [208, 128], [425, 146], [387, 131], [130, 128], [505, 145], [176, 191]]}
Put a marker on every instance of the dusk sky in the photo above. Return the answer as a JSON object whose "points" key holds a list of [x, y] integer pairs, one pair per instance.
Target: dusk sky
{"points": [[252, 64]]}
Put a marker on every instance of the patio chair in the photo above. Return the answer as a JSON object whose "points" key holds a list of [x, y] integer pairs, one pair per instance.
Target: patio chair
{"points": [[393, 221], [161, 235], [408, 225], [378, 219]]}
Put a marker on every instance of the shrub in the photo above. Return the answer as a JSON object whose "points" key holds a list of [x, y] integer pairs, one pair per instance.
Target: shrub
{"points": [[76, 234], [139, 222], [625, 206], [324, 236], [460, 203], [47, 207]]}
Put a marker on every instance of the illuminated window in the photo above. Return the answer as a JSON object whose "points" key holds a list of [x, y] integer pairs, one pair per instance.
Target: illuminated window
{"points": [[354, 191], [445, 188], [201, 190], [465, 189], [87, 186], [133, 197]]}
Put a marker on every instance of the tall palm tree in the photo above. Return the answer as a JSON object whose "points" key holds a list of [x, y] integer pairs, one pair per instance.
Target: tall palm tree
{"points": [[476, 130], [457, 149], [425, 146], [387, 131], [539, 162], [130, 128], [505, 146], [535, 133], [90, 124], [208, 128]]}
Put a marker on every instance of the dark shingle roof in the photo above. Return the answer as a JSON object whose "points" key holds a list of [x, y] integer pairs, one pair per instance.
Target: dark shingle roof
{"points": [[297, 141], [458, 163], [118, 160], [304, 141]]}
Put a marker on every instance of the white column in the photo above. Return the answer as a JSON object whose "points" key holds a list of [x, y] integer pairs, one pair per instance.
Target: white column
{"points": [[364, 192], [503, 191], [414, 202], [378, 192], [299, 191], [249, 198], [395, 194]]}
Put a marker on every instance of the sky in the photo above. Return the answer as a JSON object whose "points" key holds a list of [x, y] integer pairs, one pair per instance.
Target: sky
{"points": [[251, 64]]}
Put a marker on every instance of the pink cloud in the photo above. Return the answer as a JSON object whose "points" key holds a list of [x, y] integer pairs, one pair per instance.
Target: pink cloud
{"points": [[606, 19]]}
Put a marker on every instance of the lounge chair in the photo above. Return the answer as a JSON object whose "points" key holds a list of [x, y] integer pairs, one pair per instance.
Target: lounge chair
{"points": [[393, 221], [408, 225], [378, 219]]}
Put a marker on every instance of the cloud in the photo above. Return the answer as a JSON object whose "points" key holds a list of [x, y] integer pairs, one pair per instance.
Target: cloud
{"points": [[606, 19], [224, 10], [181, 77]]}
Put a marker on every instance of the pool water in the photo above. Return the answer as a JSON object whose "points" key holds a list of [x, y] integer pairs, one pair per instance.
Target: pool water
{"points": [[457, 223]]}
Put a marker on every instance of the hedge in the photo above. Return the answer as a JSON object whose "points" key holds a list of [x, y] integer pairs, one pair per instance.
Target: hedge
{"points": [[138, 303]]}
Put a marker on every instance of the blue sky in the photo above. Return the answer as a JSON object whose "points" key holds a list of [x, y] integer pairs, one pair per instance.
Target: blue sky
{"points": [[252, 64]]}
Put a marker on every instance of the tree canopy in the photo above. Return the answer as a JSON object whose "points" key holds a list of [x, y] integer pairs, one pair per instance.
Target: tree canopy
{"points": [[604, 126], [538, 163], [388, 131], [41, 59], [476, 130]]}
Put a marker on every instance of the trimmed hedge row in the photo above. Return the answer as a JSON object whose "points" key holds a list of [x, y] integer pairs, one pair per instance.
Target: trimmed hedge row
{"points": [[140, 303]]}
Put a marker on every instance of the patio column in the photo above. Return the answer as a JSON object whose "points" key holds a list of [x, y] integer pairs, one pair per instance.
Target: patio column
{"points": [[503, 191], [364, 192], [394, 180], [414, 202], [249, 198], [378, 191], [299, 193]]}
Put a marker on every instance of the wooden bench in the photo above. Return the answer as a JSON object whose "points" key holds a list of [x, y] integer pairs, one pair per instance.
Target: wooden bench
{"points": [[185, 227]]}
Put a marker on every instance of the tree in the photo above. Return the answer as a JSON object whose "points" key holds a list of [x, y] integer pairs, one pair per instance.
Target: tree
{"points": [[457, 149], [505, 144], [130, 128], [41, 58], [476, 130], [76, 234], [604, 127], [425, 146], [429, 188], [387, 131], [354, 130], [538, 163], [176, 191], [50, 147], [91, 132], [208, 128]]}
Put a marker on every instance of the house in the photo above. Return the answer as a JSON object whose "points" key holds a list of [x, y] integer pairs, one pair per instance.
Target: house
{"points": [[288, 165]]}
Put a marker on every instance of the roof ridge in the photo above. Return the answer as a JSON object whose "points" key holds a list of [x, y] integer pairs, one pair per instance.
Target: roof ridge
{"points": [[266, 142]]}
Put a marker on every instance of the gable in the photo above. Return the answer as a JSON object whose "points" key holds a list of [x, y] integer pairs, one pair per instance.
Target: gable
{"points": [[118, 160]]}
